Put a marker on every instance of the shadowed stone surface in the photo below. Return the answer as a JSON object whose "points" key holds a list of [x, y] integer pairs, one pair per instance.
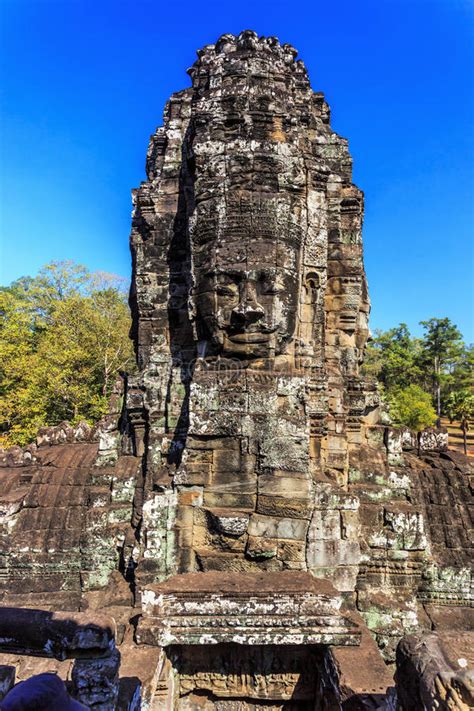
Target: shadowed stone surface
{"points": [[249, 444], [436, 671], [57, 634], [7, 679], [89, 639]]}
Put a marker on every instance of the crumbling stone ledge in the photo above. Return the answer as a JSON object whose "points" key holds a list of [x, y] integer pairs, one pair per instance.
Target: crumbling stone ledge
{"points": [[281, 608]]}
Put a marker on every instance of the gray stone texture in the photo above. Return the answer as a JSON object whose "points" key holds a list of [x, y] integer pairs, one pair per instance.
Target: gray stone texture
{"points": [[249, 443]]}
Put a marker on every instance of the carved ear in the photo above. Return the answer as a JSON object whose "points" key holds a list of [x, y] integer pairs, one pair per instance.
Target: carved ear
{"points": [[192, 310], [312, 281]]}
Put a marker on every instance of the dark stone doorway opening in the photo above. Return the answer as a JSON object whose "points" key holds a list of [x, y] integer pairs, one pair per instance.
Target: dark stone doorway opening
{"points": [[234, 677]]}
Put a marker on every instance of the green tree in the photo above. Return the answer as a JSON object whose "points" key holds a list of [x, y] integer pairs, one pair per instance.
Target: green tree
{"points": [[440, 363], [392, 357], [17, 363], [441, 349], [460, 406], [64, 338], [55, 282], [462, 371], [412, 407]]}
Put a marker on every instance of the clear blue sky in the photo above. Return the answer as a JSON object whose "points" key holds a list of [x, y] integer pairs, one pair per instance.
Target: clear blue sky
{"points": [[84, 85]]}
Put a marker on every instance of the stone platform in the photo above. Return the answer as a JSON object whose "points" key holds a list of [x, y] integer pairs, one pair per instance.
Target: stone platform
{"points": [[283, 608]]}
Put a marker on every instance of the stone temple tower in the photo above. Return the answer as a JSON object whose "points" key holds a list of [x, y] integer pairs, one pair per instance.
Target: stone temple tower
{"points": [[250, 307], [261, 539]]}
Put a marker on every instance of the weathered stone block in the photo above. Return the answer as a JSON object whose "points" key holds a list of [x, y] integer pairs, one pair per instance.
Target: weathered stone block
{"points": [[292, 551], [96, 681], [230, 523], [393, 443], [325, 525], [245, 502], [284, 507], [55, 634], [433, 440], [330, 553], [284, 486], [226, 460], [258, 547], [274, 527], [350, 525]]}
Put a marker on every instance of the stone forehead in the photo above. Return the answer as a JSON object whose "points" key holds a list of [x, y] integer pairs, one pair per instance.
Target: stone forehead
{"points": [[245, 229], [247, 255], [248, 223]]}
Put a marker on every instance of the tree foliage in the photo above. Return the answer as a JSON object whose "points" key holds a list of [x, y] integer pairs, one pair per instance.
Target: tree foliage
{"points": [[393, 358], [63, 338], [410, 369], [412, 407], [442, 348]]}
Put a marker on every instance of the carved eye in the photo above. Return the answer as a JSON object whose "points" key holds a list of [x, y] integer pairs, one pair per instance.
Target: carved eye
{"points": [[226, 290], [272, 286]]}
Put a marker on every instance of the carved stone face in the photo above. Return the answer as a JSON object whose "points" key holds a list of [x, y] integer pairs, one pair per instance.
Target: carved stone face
{"points": [[249, 310]]}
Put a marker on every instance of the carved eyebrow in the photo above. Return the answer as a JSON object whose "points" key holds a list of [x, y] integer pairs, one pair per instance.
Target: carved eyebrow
{"points": [[225, 272]]}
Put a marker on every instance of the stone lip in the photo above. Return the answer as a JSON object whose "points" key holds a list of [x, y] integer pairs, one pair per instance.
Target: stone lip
{"points": [[61, 635], [246, 583]]}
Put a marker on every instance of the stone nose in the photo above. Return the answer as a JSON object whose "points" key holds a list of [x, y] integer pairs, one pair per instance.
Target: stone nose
{"points": [[249, 310]]}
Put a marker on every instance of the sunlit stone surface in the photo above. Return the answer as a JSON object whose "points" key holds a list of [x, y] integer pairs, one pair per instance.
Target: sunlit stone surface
{"points": [[281, 538]]}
